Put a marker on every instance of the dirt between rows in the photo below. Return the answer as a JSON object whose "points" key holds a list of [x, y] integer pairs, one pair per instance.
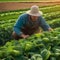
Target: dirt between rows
{"points": [[6, 6]]}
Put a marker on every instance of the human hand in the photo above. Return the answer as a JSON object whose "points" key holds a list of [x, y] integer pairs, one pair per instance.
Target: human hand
{"points": [[50, 29], [24, 36]]}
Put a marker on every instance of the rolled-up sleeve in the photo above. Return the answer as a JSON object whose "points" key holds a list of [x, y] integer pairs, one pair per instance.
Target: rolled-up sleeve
{"points": [[43, 24], [18, 26]]}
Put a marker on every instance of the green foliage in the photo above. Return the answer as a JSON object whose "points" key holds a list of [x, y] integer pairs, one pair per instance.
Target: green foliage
{"points": [[33, 48], [23, 0], [45, 54], [42, 46]]}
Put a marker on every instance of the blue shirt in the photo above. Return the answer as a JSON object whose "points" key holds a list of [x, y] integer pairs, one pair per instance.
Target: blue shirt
{"points": [[23, 19]]}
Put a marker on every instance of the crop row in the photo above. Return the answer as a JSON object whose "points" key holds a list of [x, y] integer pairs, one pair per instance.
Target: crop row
{"points": [[50, 9], [8, 19], [54, 23], [10, 23], [47, 16], [44, 9], [7, 28], [42, 46], [13, 18]]}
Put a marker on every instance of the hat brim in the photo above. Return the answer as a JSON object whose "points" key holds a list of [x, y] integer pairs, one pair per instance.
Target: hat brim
{"points": [[35, 14]]}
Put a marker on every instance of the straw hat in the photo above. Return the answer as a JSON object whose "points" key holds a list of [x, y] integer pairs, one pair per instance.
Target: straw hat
{"points": [[34, 11]]}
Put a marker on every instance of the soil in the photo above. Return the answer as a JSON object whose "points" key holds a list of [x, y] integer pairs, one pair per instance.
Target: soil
{"points": [[6, 6]]}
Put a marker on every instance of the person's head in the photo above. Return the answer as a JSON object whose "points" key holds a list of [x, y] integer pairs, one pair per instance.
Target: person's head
{"points": [[34, 12]]}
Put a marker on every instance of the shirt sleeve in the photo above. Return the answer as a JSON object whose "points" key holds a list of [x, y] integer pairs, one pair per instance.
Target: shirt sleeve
{"points": [[19, 25], [43, 23]]}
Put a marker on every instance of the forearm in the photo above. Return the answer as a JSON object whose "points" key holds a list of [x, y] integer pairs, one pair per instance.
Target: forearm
{"points": [[18, 31], [44, 24]]}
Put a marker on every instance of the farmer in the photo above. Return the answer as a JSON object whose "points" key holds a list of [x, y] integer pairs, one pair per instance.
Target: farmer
{"points": [[30, 23]]}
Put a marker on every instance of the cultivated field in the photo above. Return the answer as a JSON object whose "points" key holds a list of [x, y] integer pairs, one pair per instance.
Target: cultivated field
{"points": [[8, 6], [42, 46], [27, 0]]}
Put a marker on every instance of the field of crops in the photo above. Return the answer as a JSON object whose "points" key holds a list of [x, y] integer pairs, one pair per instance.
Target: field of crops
{"points": [[25, 0], [42, 46]]}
